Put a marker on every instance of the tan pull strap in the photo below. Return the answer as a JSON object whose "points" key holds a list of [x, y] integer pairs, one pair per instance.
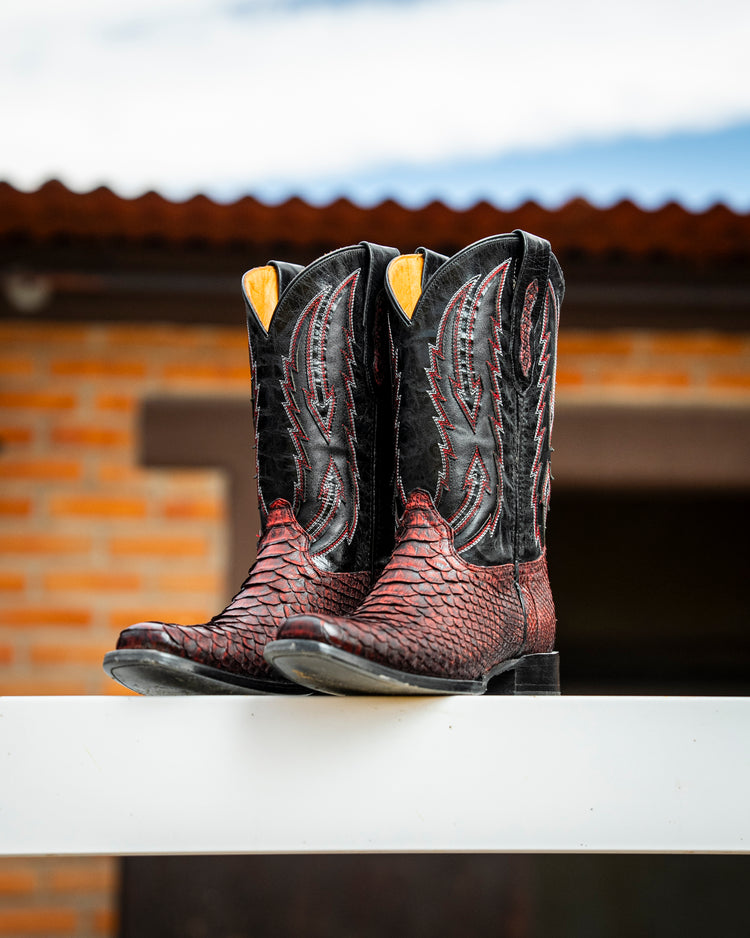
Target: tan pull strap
{"points": [[405, 281]]}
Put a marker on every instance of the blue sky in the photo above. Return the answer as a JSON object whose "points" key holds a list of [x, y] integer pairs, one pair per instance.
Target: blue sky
{"points": [[696, 169], [410, 99]]}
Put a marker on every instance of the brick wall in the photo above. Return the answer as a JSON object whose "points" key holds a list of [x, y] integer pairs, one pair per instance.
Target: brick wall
{"points": [[50, 897], [90, 542], [658, 368]]}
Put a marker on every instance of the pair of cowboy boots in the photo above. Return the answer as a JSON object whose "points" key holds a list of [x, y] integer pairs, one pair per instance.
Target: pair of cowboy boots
{"points": [[403, 406]]}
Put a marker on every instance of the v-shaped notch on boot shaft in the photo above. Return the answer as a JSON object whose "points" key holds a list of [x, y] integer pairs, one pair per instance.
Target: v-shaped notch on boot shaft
{"points": [[262, 287], [406, 276]]}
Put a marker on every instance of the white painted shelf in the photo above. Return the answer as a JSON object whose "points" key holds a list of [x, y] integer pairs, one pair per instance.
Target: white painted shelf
{"points": [[126, 775]]}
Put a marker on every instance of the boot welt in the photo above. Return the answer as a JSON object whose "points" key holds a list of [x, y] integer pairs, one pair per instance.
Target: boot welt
{"points": [[324, 668], [157, 673]]}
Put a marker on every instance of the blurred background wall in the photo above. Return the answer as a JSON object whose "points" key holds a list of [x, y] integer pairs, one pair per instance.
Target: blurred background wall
{"points": [[127, 488], [193, 139]]}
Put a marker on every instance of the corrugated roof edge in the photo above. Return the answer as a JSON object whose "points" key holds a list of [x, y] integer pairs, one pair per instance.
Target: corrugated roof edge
{"points": [[54, 211]]}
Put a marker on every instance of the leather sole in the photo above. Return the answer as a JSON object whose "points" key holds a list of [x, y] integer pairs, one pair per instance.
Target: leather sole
{"points": [[159, 674], [330, 670]]}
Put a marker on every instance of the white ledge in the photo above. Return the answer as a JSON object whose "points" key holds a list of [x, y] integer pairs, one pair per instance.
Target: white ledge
{"points": [[100, 775]]}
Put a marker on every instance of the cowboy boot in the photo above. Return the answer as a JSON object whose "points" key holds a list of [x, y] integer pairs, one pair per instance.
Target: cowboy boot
{"points": [[464, 605], [320, 381]]}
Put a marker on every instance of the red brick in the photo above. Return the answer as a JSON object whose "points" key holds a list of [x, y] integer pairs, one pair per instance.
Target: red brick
{"points": [[12, 582], [51, 470], [7, 653], [16, 882], [92, 580], [118, 402], [594, 343], [106, 921], [69, 654], [235, 339], [159, 546], [698, 344], [193, 508], [44, 615], [22, 543], [191, 582], [204, 372], [91, 436], [86, 879], [36, 687], [16, 434], [730, 382], [567, 377], [43, 332], [16, 366], [98, 368], [176, 336], [121, 472], [55, 921], [122, 618], [651, 379], [16, 507], [98, 506], [42, 400]]}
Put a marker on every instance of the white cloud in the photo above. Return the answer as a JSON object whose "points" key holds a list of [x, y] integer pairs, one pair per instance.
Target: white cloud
{"points": [[182, 96]]}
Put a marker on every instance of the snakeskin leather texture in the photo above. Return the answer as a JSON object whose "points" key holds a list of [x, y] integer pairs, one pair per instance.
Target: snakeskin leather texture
{"points": [[431, 613], [282, 582]]}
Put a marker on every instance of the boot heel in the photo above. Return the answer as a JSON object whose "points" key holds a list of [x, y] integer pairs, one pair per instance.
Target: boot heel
{"points": [[532, 674], [538, 674]]}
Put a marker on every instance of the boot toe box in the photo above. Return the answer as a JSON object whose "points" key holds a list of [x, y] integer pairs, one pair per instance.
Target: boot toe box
{"points": [[328, 630], [155, 636]]}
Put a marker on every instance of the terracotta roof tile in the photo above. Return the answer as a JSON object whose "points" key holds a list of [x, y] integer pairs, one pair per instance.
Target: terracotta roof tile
{"points": [[53, 211]]}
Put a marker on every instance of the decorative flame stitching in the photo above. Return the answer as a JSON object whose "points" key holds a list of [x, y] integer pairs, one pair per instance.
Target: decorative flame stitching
{"points": [[476, 484], [350, 430], [539, 434], [256, 414], [466, 385], [396, 376], [291, 408], [495, 369], [330, 495], [321, 404], [442, 421], [467, 390]]}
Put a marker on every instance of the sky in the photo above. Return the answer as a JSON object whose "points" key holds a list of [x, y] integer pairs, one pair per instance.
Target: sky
{"points": [[503, 100]]}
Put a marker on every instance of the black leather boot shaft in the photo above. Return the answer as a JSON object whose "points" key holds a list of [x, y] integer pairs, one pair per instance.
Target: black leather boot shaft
{"points": [[474, 383], [321, 400]]}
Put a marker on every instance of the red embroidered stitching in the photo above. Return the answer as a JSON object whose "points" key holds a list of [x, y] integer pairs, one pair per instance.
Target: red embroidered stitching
{"points": [[442, 421], [348, 427], [256, 412], [321, 404], [293, 412], [467, 386], [467, 390], [396, 377], [320, 398], [539, 434], [330, 495], [494, 367], [476, 484]]}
